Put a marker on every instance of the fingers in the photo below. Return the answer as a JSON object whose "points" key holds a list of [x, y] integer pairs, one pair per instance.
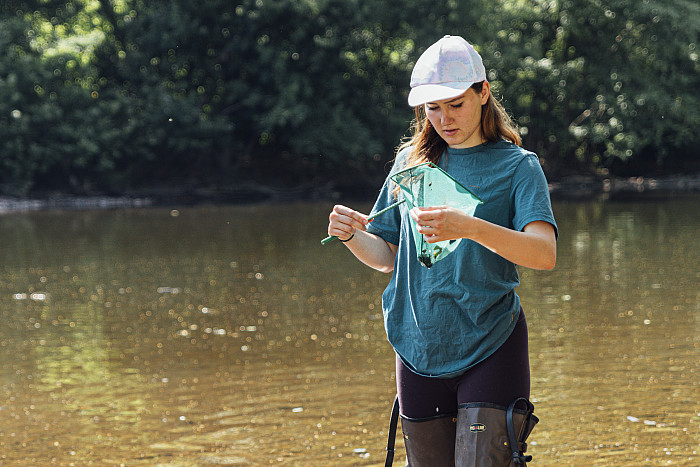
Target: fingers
{"points": [[343, 222], [429, 217], [346, 215], [431, 234], [432, 222], [424, 214]]}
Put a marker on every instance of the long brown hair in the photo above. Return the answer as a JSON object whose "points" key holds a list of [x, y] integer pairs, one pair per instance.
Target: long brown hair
{"points": [[426, 145]]}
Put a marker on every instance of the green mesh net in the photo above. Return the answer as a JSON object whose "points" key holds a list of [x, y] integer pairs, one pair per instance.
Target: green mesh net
{"points": [[426, 185]]}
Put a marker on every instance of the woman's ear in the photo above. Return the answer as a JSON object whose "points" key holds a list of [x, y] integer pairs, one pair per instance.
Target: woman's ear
{"points": [[485, 92]]}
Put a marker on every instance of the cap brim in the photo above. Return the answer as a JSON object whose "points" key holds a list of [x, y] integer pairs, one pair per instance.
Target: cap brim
{"points": [[435, 92]]}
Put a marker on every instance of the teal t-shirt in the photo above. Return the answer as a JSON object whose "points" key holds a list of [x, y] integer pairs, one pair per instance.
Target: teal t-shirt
{"points": [[443, 320]]}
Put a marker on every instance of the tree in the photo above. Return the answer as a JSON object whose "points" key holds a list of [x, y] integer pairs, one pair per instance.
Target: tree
{"points": [[601, 84], [304, 95]]}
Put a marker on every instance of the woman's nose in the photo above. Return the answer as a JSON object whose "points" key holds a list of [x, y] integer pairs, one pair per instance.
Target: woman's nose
{"points": [[446, 117]]}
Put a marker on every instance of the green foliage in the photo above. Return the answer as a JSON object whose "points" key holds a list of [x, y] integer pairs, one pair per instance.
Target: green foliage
{"points": [[599, 84], [115, 95]]}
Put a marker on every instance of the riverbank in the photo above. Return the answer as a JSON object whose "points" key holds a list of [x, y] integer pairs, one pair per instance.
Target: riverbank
{"points": [[589, 187], [576, 187], [70, 202]]}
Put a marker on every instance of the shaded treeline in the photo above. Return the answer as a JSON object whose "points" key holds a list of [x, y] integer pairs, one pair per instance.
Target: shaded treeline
{"points": [[117, 96]]}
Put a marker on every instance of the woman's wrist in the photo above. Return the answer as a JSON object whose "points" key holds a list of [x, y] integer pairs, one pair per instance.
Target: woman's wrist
{"points": [[347, 239]]}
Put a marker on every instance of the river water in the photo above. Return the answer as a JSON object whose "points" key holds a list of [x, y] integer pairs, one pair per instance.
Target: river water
{"points": [[230, 336]]}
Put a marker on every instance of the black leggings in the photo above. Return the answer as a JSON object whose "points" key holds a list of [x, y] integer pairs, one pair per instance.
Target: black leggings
{"points": [[500, 379]]}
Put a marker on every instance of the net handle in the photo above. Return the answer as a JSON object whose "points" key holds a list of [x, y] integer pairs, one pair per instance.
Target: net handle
{"points": [[330, 238]]}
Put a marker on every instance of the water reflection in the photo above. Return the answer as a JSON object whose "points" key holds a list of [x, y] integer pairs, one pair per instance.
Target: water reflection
{"points": [[615, 346], [228, 335]]}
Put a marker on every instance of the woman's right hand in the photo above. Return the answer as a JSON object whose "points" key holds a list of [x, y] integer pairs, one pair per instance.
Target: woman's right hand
{"points": [[343, 222]]}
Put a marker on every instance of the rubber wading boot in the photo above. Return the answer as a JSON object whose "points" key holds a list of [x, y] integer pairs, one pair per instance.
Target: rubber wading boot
{"points": [[489, 435], [430, 442]]}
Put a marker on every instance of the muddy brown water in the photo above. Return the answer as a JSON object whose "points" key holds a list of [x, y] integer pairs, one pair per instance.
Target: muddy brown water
{"points": [[230, 336]]}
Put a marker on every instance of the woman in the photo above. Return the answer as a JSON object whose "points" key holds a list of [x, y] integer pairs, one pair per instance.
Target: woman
{"points": [[458, 329]]}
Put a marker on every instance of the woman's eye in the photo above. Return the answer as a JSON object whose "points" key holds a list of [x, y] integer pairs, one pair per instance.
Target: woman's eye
{"points": [[457, 106], [432, 109]]}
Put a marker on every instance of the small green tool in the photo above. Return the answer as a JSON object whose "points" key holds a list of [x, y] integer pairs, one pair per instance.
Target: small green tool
{"points": [[330, 238]]}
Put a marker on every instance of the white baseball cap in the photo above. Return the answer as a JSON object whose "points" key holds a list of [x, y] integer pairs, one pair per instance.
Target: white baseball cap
{"points": [[445, 70]]}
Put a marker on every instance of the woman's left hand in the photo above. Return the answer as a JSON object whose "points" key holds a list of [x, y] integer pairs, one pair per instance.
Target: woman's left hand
{"points": [[534, 247], [439, 223]]}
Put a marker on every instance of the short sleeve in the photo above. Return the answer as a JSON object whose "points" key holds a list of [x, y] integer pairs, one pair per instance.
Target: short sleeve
{"points": [[388, 225], [530, 195]]}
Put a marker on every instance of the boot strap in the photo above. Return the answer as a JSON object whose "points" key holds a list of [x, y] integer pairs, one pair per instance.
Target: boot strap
{"points": [[518, 448], [391, 442]]}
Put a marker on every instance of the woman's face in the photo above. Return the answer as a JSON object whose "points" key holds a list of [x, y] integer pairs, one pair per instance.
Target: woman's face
{"points": [[458, 120]]}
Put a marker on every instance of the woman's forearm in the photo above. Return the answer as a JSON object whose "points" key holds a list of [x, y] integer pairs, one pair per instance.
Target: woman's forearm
{"points": [[373, 251], [534, 247], [350, 227]]}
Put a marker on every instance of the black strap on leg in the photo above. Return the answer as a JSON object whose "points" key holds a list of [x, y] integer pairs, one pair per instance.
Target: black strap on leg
{"points": [[518, 456], [391, 442]]}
